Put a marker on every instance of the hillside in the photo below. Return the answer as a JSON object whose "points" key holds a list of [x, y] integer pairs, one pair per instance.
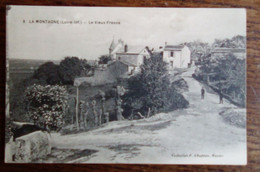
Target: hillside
{"points": [[183, 136], [20, 69]]}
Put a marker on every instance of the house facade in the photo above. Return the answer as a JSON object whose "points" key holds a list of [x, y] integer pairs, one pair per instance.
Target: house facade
{"points": [[125, 63], [177, 56], [129, 55]]}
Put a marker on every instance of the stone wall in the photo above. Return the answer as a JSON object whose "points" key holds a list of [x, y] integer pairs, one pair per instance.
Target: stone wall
{"points": [[28, 147]]}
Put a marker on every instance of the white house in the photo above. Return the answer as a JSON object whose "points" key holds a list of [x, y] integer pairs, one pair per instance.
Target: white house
{"points": [[177, 56], [133, 56], [125, 63]]}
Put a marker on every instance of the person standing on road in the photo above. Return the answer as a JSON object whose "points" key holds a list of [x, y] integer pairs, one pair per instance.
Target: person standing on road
{"points": [[220, 97], [202, 93]]}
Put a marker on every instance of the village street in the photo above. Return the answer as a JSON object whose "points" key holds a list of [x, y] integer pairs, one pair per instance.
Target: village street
{"points": [[196, 135]]}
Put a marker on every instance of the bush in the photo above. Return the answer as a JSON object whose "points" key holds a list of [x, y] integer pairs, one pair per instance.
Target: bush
{"points": [[151, 90], [8, 132], [180, 85], [234, 116], [72, 67], [104, 59], [47, 105], [230, 69], [64, 73], [48, 73], [18, 106]]}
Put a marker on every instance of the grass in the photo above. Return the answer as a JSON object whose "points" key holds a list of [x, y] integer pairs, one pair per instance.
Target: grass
{"points": [[65, 155]]}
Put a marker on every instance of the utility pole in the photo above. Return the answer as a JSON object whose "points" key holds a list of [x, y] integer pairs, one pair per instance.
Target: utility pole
{"points": [[7, 103], [119, 90], [77, 108]]}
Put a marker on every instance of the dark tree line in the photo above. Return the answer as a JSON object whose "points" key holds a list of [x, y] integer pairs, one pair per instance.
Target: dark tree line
{"points": [[64, 73], [227, 71]]}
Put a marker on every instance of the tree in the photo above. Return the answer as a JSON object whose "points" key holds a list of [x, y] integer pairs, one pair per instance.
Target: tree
{"points": [[47, 105], [150, 91], [65, 73], [70, 68], [199, 50], [48, 73], [235, 42], [86, 67], [228, 76], [18, 106], [104, 59], [232, 70]]}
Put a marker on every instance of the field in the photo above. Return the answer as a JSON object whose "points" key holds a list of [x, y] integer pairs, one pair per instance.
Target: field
{"points": [[20, 69]]}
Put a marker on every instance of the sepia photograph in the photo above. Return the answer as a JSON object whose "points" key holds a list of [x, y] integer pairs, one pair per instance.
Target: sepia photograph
{"points": [[125, 85]]}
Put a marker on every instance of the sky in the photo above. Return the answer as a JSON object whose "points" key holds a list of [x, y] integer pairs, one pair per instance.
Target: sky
{"points": [[142, 27]]}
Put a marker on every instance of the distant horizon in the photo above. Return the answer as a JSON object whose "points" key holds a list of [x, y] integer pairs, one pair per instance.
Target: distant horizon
{"points": [[53, 60], [53, 33]]}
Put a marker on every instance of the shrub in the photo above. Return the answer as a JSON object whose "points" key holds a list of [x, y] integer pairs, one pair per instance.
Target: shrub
{"points": [[72, 67], [151, 90], [47, 105], [48, 73]]}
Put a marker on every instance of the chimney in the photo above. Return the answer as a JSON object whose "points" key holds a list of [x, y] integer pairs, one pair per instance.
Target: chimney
{"points": [[126, 48]]}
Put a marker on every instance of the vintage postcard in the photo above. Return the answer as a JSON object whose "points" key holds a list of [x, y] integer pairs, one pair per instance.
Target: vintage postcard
{"points": [[125, 85]]}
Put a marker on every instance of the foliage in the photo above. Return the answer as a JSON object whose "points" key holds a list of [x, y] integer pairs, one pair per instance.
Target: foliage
{"points": [[70, 68], [18, 106], [235, 42], [234, 116], [229, 76], [48, 73], [233, 71], [199, 50], [151, 89], [104, 59], [8, 132], [47, 105], [180, 85], [64, 73]]}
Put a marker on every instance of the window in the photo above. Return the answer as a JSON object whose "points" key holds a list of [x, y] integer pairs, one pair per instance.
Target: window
{"points": [[171, 53], [119, 58], [144, 57], [171, 63]]}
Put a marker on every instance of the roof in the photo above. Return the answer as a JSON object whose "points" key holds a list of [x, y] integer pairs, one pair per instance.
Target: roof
{"points": [[132, 50], [112, 45], [229, 50], [127, 63], [173, 47], [124, 62], [135, 49], [128, 53]]}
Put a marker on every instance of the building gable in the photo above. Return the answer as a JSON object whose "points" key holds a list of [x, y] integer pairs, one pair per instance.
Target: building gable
{"points": [[176, 56]]}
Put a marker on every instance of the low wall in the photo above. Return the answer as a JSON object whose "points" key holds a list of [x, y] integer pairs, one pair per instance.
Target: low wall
{"points": [[28, 148]]}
